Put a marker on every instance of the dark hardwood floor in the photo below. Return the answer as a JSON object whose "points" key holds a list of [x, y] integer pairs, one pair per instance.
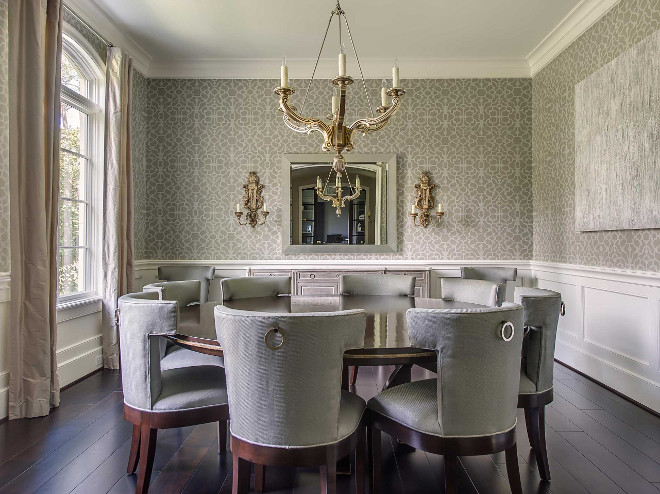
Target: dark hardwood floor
{"points": [[597, 442]]}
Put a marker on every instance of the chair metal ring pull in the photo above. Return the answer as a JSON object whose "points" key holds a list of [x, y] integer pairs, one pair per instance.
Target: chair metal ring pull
{"points": [[507, 324], [562, 310], [274, 331]]}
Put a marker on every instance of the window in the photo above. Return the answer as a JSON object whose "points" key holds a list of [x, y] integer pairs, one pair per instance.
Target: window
{"points": [[81, 159]]}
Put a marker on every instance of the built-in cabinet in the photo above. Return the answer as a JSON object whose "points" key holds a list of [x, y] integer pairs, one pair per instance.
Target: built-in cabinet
{"points": [[326, 281]]}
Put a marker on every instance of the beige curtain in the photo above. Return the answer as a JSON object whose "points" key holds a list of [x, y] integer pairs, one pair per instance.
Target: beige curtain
{"points": [[35, 46], [117, 256]]}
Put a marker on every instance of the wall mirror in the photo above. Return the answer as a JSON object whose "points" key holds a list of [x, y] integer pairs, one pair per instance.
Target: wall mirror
{"points": [[367, 224]]}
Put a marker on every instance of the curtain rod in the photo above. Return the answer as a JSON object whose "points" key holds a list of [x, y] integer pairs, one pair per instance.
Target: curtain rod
{"points": [[93, 31]]}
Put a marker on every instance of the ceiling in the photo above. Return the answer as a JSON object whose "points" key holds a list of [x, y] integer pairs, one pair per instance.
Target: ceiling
{"points": [[180, 35]]}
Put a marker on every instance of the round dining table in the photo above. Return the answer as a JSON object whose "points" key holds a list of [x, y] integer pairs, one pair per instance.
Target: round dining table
{"points": [[386, 334]]}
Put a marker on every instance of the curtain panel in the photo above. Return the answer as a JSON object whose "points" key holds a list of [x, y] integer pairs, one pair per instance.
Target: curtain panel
{"points": [[35, 47], [118, 245]]}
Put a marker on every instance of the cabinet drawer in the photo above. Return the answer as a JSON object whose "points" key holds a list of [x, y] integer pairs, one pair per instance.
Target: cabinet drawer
{"points": [[270, 272], [318, 289], [329, 275]]}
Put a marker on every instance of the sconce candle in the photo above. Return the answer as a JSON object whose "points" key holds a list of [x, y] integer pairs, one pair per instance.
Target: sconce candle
{"points": [[440, 208], [424, 202], [252, 201]]}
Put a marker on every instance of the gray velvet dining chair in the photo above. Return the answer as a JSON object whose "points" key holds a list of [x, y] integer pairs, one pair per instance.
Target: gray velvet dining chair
{"points": [[495, 274], [284, 387], [377, 284], [255, 287], [470, 408], [185, 292], [541, 316], [183, 272], [396, 285], [155, 398], [472, 291]]}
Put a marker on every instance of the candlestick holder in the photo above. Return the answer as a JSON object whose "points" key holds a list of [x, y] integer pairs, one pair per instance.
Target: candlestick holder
{"points": [[253, 202], [424, 202]]}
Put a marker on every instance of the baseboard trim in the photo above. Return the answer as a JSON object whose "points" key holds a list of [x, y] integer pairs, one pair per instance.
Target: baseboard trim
{"points": [[80, 379], [611, 389]]}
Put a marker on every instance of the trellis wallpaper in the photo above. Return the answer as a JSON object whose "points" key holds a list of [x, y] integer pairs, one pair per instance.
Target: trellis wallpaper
{"points": [[204, 136], [98, 46], [5, 255], [555, 238], [139, 155]]}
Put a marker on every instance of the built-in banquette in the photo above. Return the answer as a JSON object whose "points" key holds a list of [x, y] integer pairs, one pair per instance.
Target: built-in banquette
{"points": [[325, 281]]}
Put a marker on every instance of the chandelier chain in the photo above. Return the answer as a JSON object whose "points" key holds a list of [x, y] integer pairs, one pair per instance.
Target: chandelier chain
{"points": [[317, 61], [364, 84]]}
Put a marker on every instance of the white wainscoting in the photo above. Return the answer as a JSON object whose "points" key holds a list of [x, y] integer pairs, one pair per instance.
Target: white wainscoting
{"points": [[611, 330], [78, 341]]}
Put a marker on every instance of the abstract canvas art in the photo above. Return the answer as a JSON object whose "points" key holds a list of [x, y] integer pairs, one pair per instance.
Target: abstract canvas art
{"points": [[617, 142]]}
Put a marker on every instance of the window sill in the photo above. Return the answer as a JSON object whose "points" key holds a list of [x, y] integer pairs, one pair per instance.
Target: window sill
{"points": [[87, 299]]}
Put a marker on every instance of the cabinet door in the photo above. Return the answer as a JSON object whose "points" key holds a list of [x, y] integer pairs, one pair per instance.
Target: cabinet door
{"points": [[310, 289]]}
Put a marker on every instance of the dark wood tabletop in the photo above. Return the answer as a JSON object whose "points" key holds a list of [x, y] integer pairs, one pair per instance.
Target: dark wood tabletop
{"points": [[386, 335]]}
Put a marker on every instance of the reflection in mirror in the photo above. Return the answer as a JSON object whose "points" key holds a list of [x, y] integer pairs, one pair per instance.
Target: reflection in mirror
{"points": [[364, 224]]}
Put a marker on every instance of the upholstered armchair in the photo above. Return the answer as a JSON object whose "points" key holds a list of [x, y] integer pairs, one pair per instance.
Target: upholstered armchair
{"points": [[541, 309], [155, 398], [254, 287], [184, 292], [190, 272], [377, 284], [470, 408], [495, 274], [285, 394], [472, 291], [396, 285]]}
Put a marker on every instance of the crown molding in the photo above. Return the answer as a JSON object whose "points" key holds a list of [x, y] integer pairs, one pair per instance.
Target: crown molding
{"points": [[375, 68], [584, 15], [91, 13]]}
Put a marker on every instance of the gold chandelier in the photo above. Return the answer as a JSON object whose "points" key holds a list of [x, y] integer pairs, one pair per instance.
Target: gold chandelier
{"points": [[337, 136]]}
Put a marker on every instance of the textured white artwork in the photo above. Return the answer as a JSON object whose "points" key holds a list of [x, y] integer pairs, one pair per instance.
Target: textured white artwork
{"points": [[617, 142]]}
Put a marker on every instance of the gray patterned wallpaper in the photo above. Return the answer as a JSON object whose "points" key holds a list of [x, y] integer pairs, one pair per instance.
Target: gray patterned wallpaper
{"points": [[5, 258], [555, 238], [204, 136], [139, 154], [99, 46]]}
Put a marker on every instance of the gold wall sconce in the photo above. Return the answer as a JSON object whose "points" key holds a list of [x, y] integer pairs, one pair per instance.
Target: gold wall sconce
{"points": [[253, 202], [424, 202]]}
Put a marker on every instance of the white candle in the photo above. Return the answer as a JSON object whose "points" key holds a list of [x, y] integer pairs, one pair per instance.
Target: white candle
{"points": [[284, 74], [342, 62], [395, 73], [357, 181], [440, 207], [319, 184], [412, 210], [383, 96], [335, 104], [238, 208], [338, 181], [265, 208]]}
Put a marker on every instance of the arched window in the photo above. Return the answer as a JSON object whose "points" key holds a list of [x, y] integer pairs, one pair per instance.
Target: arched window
{"points": [[81, 166]]}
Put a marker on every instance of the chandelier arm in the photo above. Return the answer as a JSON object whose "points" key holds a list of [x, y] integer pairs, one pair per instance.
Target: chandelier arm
{"points": [[332, 14], [376, 123], [305, 124], [364, 84]]}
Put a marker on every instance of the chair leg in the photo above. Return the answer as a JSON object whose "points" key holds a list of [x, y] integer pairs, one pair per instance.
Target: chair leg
{"points": [[375, 460], [512, 470], [354, 374], [329, 475], [360, 460], [451, 474], [259, 477], [134, 456], [147, 452], [528, 425], [537, 416], [222, 437], [240, 476]]}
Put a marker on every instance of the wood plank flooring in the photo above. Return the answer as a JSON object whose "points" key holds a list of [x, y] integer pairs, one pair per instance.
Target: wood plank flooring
{"points": [[597, 442]]}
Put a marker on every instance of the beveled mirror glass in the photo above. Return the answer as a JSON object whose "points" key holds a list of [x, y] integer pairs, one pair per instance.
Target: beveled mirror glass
{"points": [[365, 224]]}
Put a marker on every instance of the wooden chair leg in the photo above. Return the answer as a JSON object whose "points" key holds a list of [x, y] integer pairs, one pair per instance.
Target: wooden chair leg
{"points": [[537, 416], [354, 374], [451, 474], [147, 452], [375, 460], [222, 437], [360, 460], [240, 476], [259, 477], [528, 424], [134, 456], [329, 475], [512, 470]]}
